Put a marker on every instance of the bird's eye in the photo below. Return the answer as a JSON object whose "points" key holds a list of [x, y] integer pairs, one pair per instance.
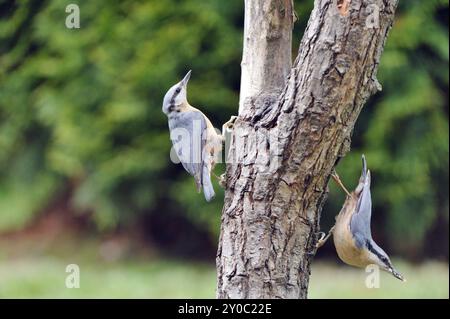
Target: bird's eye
{"points": [[178, 90]]}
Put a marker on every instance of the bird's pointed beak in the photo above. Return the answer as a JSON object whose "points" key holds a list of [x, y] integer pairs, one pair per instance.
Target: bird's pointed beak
{"points": [[364, 180], [396, 274], [364, 166], [186, 78]]}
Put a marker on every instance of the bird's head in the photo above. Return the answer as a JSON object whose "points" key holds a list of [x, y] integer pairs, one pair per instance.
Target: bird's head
{"points": [[176, 96], [379, 257]]}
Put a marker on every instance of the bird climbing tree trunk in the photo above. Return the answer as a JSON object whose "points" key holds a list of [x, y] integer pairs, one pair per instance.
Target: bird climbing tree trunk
{"points": [[295, 122]]}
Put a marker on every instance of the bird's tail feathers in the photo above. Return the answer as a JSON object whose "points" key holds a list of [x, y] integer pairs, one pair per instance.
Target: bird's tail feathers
{"points": [[208, 189], [198, 183]]}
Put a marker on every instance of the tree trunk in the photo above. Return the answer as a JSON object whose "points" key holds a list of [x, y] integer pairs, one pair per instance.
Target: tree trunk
{"points": [[293, 125]]}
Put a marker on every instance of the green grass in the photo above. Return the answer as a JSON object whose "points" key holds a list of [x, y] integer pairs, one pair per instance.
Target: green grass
{"points": [[428, 280], [44, 277]]}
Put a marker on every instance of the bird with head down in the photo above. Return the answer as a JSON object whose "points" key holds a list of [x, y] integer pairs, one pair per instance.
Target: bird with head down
{"points": [[352, 234]]}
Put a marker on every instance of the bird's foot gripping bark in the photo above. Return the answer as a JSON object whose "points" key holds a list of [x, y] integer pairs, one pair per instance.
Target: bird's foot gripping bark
{"points": [[228, 126], [323, 238], [223, 180]]}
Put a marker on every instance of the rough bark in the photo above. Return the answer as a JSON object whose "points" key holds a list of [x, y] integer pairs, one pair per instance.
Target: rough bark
{"points": [[286, 141]]}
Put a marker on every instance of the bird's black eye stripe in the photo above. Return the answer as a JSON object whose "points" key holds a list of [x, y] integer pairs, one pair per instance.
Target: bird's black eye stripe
{"points": [[374, 251], [177, 91], [369, 246]]}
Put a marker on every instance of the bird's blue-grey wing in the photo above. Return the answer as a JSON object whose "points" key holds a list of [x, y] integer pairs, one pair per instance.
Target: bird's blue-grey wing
{"points": [[187, 131], [360, 221]]}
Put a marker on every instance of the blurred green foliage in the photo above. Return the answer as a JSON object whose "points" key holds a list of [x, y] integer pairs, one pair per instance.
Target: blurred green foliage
{"points": [[80, 111]]}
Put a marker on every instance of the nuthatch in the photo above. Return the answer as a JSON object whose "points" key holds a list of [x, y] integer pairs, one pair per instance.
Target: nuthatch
{"points": [[352, 234], [194, 138]]}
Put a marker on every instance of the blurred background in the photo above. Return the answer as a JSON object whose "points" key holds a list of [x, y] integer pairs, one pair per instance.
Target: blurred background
{"points": [[85, 173]]}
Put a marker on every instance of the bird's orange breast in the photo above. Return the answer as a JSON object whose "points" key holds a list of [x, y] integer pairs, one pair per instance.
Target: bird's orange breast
{"points": [[345, 245]]}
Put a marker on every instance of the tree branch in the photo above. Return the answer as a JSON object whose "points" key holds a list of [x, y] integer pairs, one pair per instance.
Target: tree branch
{"points": [[267, 55]]}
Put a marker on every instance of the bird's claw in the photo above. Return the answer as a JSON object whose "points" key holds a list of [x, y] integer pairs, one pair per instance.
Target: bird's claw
{"points": [[321, 240], [223, 180], [231, 122], [324, 237], [228, 126]]}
